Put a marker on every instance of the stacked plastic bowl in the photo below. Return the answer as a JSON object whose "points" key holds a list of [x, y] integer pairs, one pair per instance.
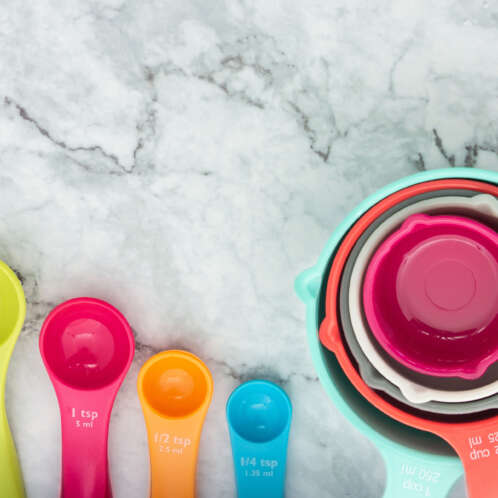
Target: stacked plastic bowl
{"points": [[402, 318]]}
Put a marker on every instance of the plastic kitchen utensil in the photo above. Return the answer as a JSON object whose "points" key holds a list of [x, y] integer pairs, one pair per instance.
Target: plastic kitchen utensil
{"points": [[12, 313], [328, 328], [472, 440], [175, 390], [87, 347], [378, 369], [432, 466], [372, 359], [430, 295], [259, 416]]}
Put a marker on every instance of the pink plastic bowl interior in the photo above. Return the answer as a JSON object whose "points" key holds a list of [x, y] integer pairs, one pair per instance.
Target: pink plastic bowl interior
{"points": [[87, 343], [430, 295]]}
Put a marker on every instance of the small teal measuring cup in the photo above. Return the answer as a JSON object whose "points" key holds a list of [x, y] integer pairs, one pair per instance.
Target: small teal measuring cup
{"points": [[418, 464], [259, 416]]}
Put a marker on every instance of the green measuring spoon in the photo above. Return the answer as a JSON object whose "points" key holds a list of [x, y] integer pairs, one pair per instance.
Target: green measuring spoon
{"points": [[12, 313]]}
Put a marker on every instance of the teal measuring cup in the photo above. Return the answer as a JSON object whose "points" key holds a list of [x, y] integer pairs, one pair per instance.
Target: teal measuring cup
{"points": [[418, 464], [259, 416]]}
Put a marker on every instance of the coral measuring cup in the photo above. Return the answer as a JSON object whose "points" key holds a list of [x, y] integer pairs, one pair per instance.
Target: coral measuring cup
{"points": [[87, 347], [12, 313], [175, 390]]}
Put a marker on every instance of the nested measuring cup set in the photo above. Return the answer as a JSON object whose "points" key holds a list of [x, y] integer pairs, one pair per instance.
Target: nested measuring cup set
{"points": [[402, 318], [87, 347]]}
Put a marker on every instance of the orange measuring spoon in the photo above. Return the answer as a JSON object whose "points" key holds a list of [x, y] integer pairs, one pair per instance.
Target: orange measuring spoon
{"points": [[175, 389]]}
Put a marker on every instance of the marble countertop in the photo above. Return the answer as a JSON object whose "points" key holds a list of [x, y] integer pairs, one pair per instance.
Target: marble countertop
{"points": [[185, 160]]}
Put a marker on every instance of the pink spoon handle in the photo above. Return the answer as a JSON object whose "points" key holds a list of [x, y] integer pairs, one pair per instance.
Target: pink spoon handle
{"points": [[85, 424]]}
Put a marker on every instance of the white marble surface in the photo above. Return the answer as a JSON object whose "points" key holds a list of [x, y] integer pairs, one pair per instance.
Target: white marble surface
{"points": [[186, 159]]}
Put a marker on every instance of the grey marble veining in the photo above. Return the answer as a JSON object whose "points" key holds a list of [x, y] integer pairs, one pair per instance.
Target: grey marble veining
{"points": [[186, 159]]}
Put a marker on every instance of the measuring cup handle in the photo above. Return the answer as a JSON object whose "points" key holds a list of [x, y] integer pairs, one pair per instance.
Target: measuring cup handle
{"points": [[85, 427], [478, 450], [408, 473], [10, 472], [307, 284]]}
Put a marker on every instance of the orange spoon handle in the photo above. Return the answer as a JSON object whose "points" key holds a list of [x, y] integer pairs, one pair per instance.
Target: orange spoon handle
{"points": [[478, 450], [173, 448]]}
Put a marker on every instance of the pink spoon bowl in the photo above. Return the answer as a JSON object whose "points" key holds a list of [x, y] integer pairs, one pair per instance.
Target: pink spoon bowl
{"points": [[87, 347], [430, 295]]}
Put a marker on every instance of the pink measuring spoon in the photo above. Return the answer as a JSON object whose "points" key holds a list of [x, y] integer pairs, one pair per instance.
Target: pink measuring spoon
{"points": [[87, 347]]}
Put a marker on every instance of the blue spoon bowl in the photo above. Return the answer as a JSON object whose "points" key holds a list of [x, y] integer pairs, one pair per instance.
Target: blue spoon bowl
{"points": [[259, 416]]}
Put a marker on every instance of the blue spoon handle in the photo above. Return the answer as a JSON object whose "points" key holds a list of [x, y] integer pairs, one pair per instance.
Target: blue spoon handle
{"points": [[412, 476], [259, 467]]}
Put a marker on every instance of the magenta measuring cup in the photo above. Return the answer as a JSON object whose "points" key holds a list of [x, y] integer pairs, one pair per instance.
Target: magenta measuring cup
{"points": [[430, 295]]}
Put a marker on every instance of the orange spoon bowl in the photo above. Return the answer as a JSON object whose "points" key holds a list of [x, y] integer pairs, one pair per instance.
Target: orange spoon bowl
{"points": [[174, 386]]}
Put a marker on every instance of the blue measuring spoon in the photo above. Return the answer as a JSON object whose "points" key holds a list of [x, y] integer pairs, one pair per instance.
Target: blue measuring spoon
{"points": [[259, 416]]}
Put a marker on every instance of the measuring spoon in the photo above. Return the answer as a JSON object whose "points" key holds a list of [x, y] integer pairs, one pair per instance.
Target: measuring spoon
{"points": [[175, 389], [259, 416], [12, 313], [87, 347]]}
